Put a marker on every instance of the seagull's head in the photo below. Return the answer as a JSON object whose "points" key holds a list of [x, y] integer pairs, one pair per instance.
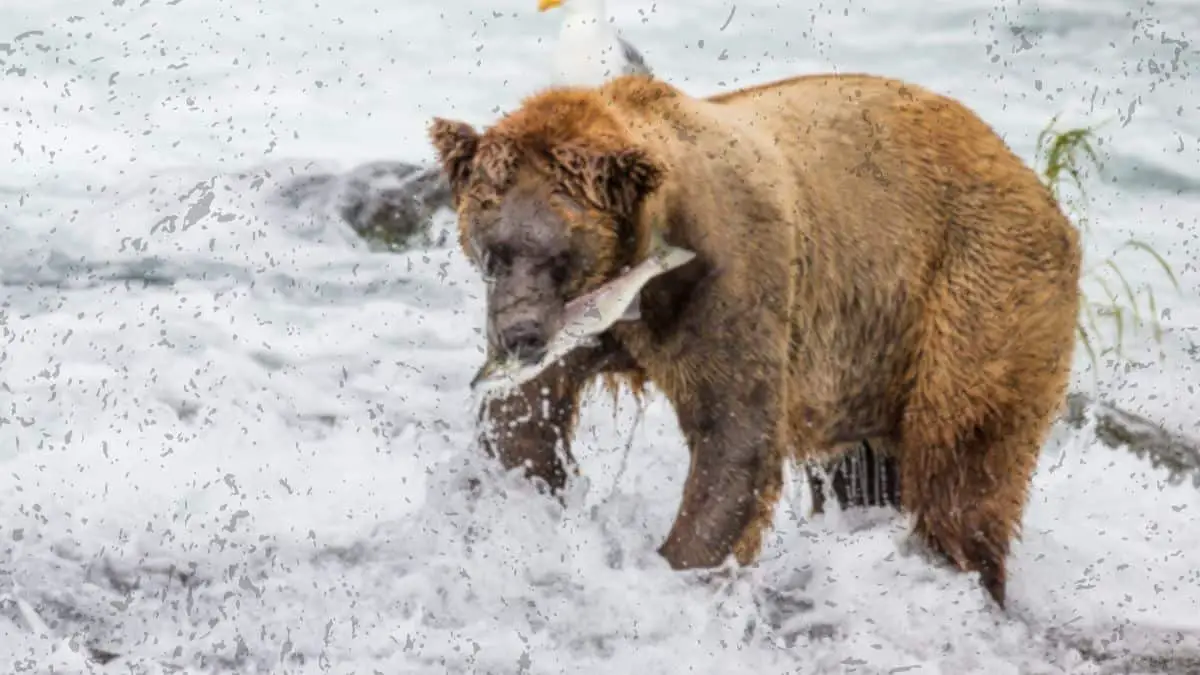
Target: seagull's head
{"points": [[587, 6]]}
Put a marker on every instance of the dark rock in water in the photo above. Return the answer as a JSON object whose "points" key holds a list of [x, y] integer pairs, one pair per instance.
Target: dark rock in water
{"points": [[1116, 428], [298, 191], [393, 203], [388, 203]]}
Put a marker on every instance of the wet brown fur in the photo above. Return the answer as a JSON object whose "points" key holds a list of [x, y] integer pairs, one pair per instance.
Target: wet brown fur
{"points": [[873, 264]]}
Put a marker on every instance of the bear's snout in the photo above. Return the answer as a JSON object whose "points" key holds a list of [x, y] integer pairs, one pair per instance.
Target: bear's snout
{"points": [[524, 339]]}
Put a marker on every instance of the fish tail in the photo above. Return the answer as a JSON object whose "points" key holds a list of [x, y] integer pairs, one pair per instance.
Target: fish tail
{"points": [[657, 243], [668, 257], [665, 255], [676, 257]]}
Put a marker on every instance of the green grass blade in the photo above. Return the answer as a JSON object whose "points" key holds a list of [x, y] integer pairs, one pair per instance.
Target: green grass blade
{"points": [[1112, 297], [1090, 317], [1128, 290], [1087, 344], [1138, 244], [1158, 332], [1119, 318]]}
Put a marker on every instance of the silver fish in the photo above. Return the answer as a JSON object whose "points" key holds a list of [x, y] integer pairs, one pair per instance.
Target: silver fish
{"points": [[587, 316]]}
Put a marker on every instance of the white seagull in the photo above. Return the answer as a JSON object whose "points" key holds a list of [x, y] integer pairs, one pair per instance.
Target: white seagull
{"points": [[589, 50]]}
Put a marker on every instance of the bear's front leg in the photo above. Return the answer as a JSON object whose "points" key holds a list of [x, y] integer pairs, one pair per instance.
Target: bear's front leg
{"points": [[734, 430]]}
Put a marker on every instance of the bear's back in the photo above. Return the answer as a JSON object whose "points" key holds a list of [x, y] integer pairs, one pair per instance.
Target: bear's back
{"points": [[889, 168]]}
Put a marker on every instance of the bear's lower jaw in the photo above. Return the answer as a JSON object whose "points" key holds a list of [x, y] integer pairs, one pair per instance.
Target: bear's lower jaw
{"points": [[530, 359], [523, 358]]}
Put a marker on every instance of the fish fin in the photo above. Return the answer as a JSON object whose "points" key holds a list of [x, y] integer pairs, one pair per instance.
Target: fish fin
{"points": [[634, 311]]}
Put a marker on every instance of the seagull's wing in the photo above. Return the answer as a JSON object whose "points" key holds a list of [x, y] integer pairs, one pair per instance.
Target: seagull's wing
{"points": [[636, 63]]}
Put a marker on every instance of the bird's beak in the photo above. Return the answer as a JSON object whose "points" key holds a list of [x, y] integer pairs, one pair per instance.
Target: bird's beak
{"points": [[544, 5]]}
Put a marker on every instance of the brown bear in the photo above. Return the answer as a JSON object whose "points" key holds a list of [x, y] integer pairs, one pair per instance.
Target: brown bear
{"points": [[874, 265]]}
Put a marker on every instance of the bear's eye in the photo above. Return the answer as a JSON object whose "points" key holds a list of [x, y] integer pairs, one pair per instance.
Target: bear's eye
{"points": [[560, 267], [497, 259]]}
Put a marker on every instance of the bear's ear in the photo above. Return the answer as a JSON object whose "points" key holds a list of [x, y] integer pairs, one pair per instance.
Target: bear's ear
{"points": [[496, 160], [617, 179], [456, 144], [636, 167], [629, 176]]}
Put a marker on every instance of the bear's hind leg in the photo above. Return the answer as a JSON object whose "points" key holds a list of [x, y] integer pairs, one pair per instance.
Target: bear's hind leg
{"points": [[968, 500], [863, 476]]}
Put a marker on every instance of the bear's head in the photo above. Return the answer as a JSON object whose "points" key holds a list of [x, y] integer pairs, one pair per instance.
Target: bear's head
{"points": [[549, 202]]}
